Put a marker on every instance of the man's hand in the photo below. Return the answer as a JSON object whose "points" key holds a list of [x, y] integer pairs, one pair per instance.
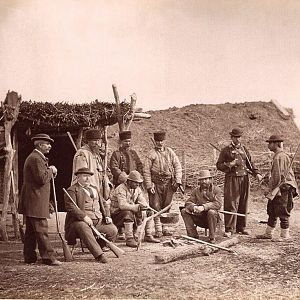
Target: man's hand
{"points": [[108, 220], [88, 220], [259, 178], [54, 170], [142, 207], [198, 208], [233, 163], [151, 190], [51, 208]]}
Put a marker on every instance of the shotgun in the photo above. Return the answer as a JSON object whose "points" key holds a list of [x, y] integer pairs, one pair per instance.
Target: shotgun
{"points": [[67, 252], [115, 249]]}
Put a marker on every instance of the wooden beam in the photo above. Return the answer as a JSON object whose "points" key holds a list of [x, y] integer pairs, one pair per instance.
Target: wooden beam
{"points": [[118, 108]]}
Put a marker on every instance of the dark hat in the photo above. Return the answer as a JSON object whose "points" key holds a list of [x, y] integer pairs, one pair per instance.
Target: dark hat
{"points": [[274, 138], [93, 134], [236, 132], [125, 135], [43, 137], [84, 171], [159, 135]]}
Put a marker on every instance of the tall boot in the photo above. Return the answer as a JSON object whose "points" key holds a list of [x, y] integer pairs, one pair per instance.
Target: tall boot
{"points": [[285, 233], [148, 232], [130, 241], [268, 233], [158, 227]]}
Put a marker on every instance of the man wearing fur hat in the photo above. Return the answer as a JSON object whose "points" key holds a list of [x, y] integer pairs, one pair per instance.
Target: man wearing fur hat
{"points": [[129, 208], [235, 161], [124, 160], [88, 156], [201, 209], [162, 174], [282, 176], [34, 201]]}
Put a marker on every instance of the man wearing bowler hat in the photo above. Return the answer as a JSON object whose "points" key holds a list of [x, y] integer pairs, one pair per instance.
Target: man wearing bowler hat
{"points": [[88, 156], [282, 176], [35, 201], [90, 209], [201, 209], [162, 174], [235, 161], [124, 160]]}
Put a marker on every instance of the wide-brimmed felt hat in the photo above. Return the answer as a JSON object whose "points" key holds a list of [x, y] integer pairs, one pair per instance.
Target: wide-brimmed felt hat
{"points": [[42, 137], [84, 171], [274, 138], [236, 132], [125, 135], [159, 135], [204, 174], [93, 134], [135, 176]]}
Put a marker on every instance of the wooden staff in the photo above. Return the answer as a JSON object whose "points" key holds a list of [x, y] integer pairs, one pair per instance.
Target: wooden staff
{"points": [[231, 213]]}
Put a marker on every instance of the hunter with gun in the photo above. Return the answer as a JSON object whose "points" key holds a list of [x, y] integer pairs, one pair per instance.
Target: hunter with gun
{"points": [[235, 161], [283, 188], [86, 208], [162, 175]]}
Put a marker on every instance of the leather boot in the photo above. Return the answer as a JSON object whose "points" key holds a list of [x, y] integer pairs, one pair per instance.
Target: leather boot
{"points": [[268, 234], [285, 234], [158, 227], [148, 233], [130, 241]]}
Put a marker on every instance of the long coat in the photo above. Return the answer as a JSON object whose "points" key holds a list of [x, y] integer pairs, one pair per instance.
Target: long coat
{"points": [[35, 193], [75, 214]]}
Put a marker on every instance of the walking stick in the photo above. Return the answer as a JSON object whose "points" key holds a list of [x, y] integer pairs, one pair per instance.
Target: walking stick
{"points": [[67, 252]]}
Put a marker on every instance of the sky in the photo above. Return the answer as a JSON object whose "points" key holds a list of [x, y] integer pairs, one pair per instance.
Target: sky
{"points": [[169, 52]]}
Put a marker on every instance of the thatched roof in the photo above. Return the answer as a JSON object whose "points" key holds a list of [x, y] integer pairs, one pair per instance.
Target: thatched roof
{"points": [[62, 116]]}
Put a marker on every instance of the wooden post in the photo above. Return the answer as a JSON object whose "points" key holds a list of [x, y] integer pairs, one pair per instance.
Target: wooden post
{"points": [[105, 149], [79, 138], [131, 112], [118, 108], [184, 169], [11, 111]]}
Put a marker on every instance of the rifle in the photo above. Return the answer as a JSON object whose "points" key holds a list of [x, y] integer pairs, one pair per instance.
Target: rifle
{"points": [[115, 249], [67, 253], [275, 191]]}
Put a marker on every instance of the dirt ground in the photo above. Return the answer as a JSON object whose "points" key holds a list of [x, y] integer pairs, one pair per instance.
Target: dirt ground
{"points": [[261, 270]]}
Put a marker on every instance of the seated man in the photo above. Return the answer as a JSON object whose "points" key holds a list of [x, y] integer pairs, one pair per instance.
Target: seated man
{"points": [[90, 209], [201, 209], [128, 209]]}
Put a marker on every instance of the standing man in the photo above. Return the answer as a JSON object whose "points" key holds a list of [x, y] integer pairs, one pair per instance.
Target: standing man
{"points": [[35, 201], [201, 209], [88, 156], [124, 160], [162, 174], [91, 209], [235, 162], [281, 176], [128, 209]]}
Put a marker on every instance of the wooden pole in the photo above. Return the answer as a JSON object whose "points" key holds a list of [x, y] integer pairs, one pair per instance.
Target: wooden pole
{"points": [[79, 138], [118, 108], [131, 112], [11, 111]]}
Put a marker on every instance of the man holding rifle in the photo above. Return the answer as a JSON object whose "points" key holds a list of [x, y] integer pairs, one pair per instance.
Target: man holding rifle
{"points": [[282, 181], [89, 209], [235, 161]]}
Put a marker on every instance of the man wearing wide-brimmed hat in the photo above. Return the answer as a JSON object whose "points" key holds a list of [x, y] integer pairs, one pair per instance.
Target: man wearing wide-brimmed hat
{"points": [[93, 210], [124, 160], [34, 201], [129, 208], [235, 161], [201, 209], [88, 156], [281, 175], [162, 174]]}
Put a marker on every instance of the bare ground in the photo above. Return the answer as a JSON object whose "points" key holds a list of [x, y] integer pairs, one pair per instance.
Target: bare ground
{"points": [[261, 270]]}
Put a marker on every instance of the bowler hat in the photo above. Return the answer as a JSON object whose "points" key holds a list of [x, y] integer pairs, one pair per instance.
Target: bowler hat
{"points": [[274, 138], [135, 176], [93, 134], [84, 171], [43, 137], [159, 135], [204, 174], [236, 132], [125, 135]]}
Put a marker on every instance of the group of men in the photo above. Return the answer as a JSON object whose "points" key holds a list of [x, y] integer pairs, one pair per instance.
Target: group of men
{"points": [[122, 205]]}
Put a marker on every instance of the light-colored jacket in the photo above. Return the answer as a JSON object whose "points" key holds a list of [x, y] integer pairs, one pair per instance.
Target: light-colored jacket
{"points": [[162, 164]]}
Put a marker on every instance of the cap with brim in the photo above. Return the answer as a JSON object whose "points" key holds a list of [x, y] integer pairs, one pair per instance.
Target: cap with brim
{"points": [[84, 171], [135, 176], [274, 138], [204, 174], [236, 132], [42, 137]]}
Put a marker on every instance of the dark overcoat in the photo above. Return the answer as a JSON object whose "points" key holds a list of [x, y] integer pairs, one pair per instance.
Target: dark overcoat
{"points": [[35, 193]]}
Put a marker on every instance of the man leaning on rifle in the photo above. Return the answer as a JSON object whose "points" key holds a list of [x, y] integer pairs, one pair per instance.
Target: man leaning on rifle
{"points": [[281, 176], [90, 209], [201, 209]]}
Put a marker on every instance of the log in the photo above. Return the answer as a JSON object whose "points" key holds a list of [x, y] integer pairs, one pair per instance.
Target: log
{"points": [[192, 251]]}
